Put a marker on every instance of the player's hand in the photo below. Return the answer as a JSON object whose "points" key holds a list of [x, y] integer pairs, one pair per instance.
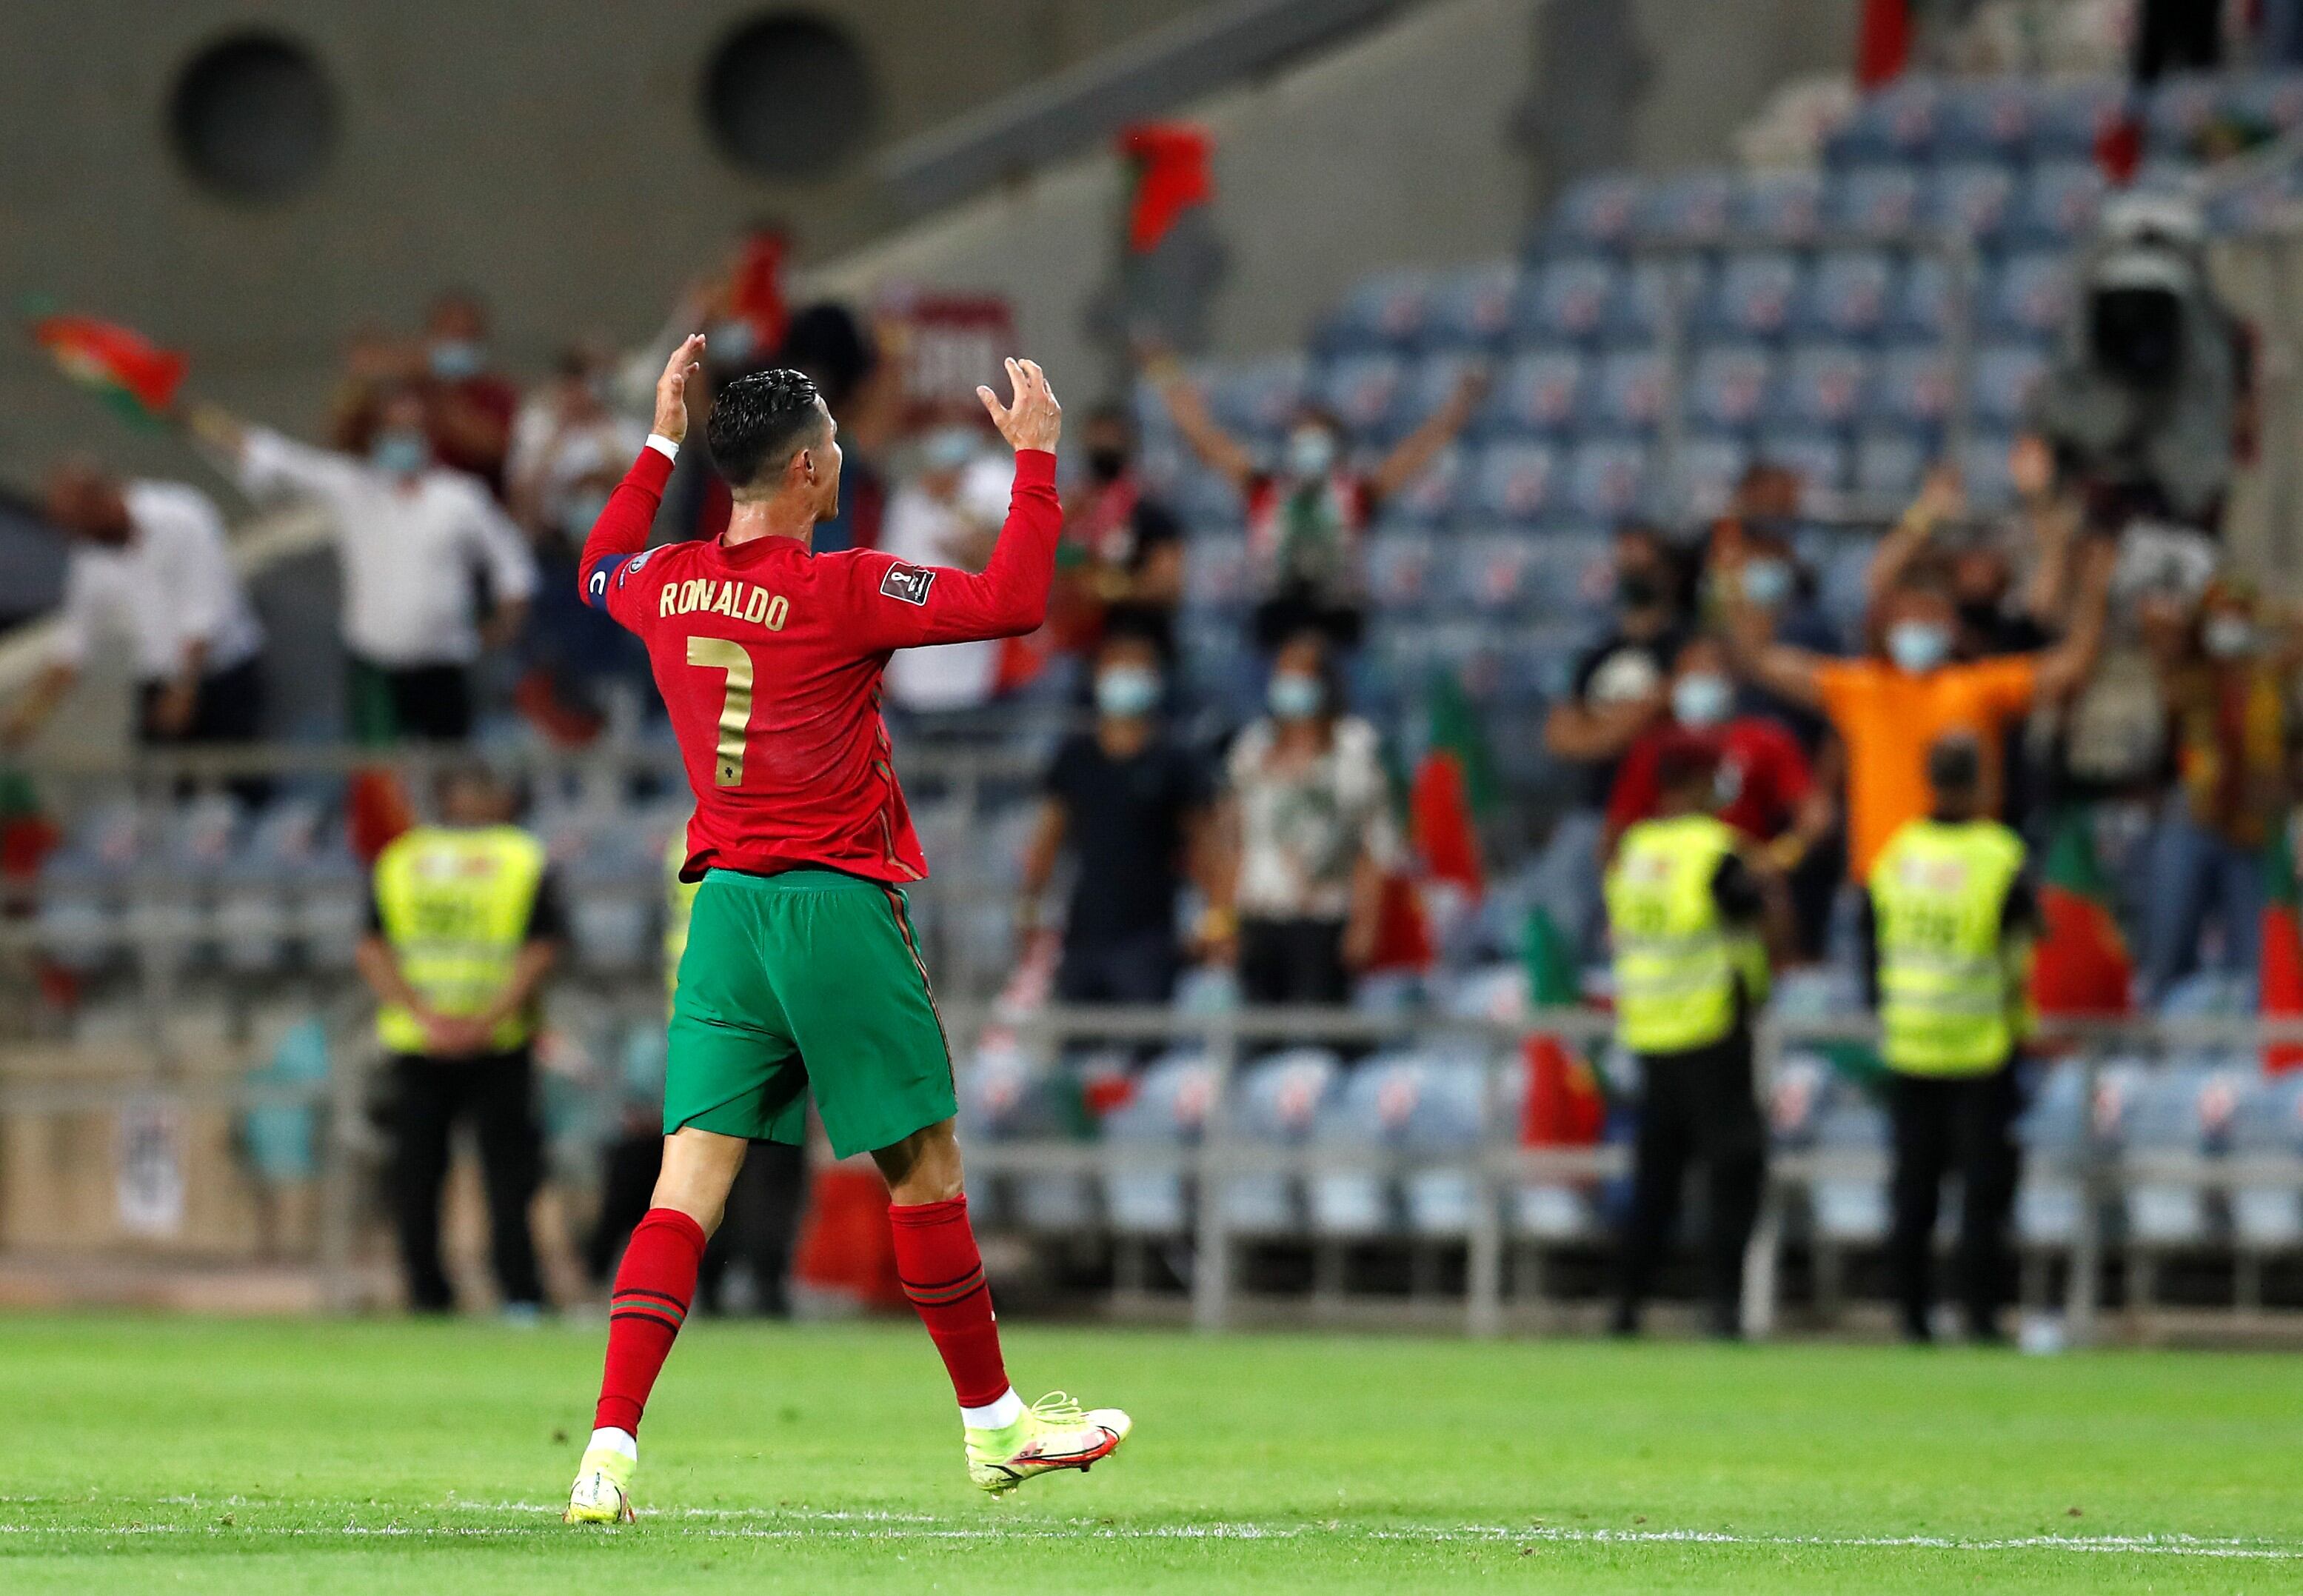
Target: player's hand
{"points": [[672, 388], [1034, 420]]}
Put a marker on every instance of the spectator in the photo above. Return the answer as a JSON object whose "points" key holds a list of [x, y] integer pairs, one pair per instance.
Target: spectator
{"points": [[151, 578], [946, 514], [465, 923], [1762, 784], [1976, 569], [1305, 520], [1307, 819], [468, 406], [2227, 725], [1890, 705], [410, 537], [1759, 527], [1131, 806], [1122, 568]]}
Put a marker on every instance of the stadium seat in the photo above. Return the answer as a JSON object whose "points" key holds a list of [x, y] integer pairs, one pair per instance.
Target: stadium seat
{"points": [[1471, 309], [1595, 213], [1983, 467], [1689, 209], [1535, 395], [1446, 1125], [2180, 1109], [1845, 295], [1382, 313], [1971, 200], [1640, 311], [1428, 384], [1404, 572], [1347, 1201], [1627, 392], [1206, 501], [1492, 575], [1431, 495], [2260, 204], [1822, 386], [1896, 124], [2029, 297], [1818, 459], [1750, 298], [1986, 119], [2057, 204], [1572, 574], [2002, 381], [1922, 306], [1279, 1101], [2267, 1128], [1706, 471], [1361, 390], [1887, 467], [1215, 574], [1851, 1210], [2271, 100], [1911, 387], [1515, 483], [1564, 301], [1880, 204], [1257, 398], [1606, 479], [1168, 1111], [1779, 207], [1728, 386], [2070, 119]]}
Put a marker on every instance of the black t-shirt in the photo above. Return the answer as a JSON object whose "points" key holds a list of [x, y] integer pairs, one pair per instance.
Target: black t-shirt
{"points": [[1126, 821], [1617, 668], [547, 917], [1151, 526]]}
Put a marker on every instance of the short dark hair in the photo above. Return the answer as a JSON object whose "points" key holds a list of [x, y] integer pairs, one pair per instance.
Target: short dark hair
{"points": [[1955, 764], [758, 421]]}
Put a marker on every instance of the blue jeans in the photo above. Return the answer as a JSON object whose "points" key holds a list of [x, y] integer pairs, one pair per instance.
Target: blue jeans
{"points": [[2196, 875]]}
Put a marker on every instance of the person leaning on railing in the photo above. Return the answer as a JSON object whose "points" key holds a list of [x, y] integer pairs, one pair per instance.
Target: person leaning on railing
{"points": [[1949, 919]]}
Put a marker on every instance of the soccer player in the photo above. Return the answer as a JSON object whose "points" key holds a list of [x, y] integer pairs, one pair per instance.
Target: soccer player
{"points": [[801, 975]]}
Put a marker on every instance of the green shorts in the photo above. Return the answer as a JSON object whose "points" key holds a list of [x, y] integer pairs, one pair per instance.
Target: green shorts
{"points": [[807, 982]]}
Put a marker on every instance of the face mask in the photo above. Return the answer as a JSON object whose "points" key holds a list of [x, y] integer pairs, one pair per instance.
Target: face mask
{"points": [[1702, 700], [1766, 583], [399, 453], [1918, 646], [1107, 466], [1311, 451], [454, 361], [1638, 589], [731, 342], [1126, 691], [948, 448], [2227, 637], [1295, 697]]}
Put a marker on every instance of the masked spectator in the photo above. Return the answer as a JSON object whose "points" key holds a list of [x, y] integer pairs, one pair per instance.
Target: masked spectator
{"points": [[412, 537], [948, 514], [151, 578], [1131, 806], [468, 406], [1121, 568], [1307, 818], [1306, 519], [1618, 688], [2229, 723], [1996, 617]]}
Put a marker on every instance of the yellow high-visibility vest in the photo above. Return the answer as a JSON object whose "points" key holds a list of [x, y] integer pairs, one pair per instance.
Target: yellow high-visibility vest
{"points": [[1950, 988], [1679, 966], [455, 903], [679, 908]]}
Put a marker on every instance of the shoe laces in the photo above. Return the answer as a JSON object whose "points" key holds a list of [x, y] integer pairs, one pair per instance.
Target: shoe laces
{"points": [[1057, 1408]]}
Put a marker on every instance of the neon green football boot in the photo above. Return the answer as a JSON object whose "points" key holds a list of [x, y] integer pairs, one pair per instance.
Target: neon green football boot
{"points": [[1052, 1433], [602, 1492]]}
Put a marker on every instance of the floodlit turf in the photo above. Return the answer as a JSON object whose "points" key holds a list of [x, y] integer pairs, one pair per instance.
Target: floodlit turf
{"points": [[168, 1455]]}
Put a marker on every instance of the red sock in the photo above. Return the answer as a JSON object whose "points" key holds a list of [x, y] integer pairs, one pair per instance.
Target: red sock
{"points": [[943, 1275], [653, 1287]]}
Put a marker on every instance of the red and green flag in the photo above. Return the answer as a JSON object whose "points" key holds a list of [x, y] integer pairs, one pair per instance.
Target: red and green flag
{"points": [[2082, 964], [1564, 1106], [1453, 786], [117, 363], [2281, 959]]}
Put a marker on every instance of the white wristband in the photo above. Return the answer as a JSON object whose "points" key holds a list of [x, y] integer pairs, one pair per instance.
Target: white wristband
{"points": [[667, 447]]}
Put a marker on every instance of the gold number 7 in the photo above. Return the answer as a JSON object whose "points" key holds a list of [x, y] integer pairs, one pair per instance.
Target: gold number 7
{"points": [[719, 654]]}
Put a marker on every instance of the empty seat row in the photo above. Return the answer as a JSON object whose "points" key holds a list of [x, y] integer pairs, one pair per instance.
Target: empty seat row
{"points": [[2015, 118]]}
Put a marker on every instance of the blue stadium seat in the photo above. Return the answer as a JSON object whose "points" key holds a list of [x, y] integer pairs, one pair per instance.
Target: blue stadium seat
{"points": [[1257, 398], [1847, 1210], [2268, 1124], [1707, 469], [1628, 390], [1607, 478], [2058, 203], [1432, 495], [1215, 573], [1640, 311], [1888, 466], [1535, 395], [2069, 118], [1691, 210], [1989, 119], [1445, 1123], [1515, 483], [1818, 459], [2260, 204], [1751, 298], [1913, 387], [1972, 200], [1923, 305], [1784, 209], [1564, 301], [1493, 575], [1361, 389], [1877, 203], [1983, 467], [1822, 386], [2029, 297], [1404, 572], [1845, 295], [2178, 110], [1206, 501], [2184, 1108], [2001, 380], [1897, 123], [1428, 384], [1169, 1110], [2054, 1132], [1572, 574], [1471, 309], [2273, 100], [1728, 386], [1279, 1101], [1597, 212], [1359, 1118], [1382, 312]]}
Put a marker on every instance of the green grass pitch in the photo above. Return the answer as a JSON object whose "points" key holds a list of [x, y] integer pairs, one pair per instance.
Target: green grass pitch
{"points": [[251, 1457]]}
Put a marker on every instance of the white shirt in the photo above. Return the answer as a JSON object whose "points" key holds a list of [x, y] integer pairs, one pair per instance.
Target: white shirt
{"points": [[920, 531], [1302, 831], [407, 548], [573, 469], [170, 585]]}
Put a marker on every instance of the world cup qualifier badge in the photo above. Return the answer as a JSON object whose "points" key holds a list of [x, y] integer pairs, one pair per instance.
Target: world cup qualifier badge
{"points": [[908, 583]]}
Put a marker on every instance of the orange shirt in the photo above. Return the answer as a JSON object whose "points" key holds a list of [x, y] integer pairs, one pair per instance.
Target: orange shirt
{"points": [[1889, 718]]}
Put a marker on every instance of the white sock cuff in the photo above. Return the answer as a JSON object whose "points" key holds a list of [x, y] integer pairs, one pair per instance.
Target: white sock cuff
{"points": [[997, 1415], [615, 1440]]}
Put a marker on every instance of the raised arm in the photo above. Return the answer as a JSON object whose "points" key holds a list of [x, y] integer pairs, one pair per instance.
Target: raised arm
{"points": [[268, 466], [2063, 668], [1223, 453], [1942, 497], [622, 529], [1755, 655], [1418, 449]]}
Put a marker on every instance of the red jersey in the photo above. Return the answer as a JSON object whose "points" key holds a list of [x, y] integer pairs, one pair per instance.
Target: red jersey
{"points": [[1763, 777], [769, 660]]}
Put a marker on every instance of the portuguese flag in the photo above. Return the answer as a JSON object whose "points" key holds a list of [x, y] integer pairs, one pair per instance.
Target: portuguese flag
{"points": [[117, 363], [2082, 964], [1455, 785], [2282, 960], [1564, 1105]]}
